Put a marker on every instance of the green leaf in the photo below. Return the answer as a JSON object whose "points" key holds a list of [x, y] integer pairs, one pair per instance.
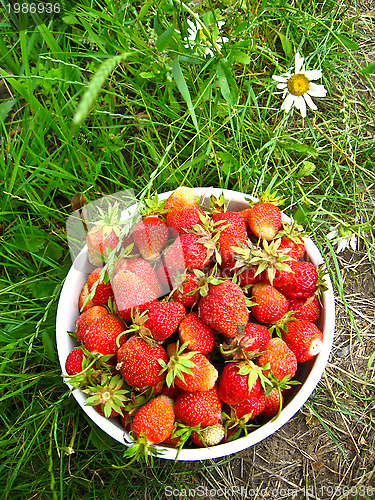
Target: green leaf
{"points": [[164, 39], [183, 88], [48, 344], [227, 83], [5, 108], [286, 44], [99, 438], [300, 215], [347, 42], [297, 146], [370, 68], [241, 57], [307, 169]]}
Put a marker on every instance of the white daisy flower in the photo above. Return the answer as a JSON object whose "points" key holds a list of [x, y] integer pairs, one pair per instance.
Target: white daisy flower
{"points": [[198, 39], [298, 87], [344, 237]]}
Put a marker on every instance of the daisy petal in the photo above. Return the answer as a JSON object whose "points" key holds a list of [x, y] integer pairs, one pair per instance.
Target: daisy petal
{"points": [[298, 62], [281, 86], [313, 74], [353, 242], [317, 90], [282, 79], [311, 104], [192, 25], [342, 245], [288, 103], [300, 104], [332, 234]]}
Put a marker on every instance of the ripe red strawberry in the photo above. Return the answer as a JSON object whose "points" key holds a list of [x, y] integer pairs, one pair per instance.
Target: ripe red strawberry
{"points": [[131, 292], [292, 238], [251, 407], [139, 362], [296, 250], [304, 282], [74, 360], [84, 303], [154, 420], [303, 338], [305, 308], [279, 277], [209, 436], [264, 220], [163, 319], [183, 220], [150, 235], [272, 404], [86, 319], [247, 276], [103, 237], [199, 336], [256, 337], [144, 270], [101, 336], [194, 408], [224, 308], [270, 304], [170, 277], [238, 382], [232, 231], [171, 391], [283, 362], [247, 345], [201, 375], [103, 290], [183, 197], [187, 251], [187, 292]]}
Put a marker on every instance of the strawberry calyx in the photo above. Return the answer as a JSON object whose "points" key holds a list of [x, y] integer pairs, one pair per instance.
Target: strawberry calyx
{"points": [[153, 206], [267, 197], [109, 221], [321, 284], [209, 233], [270, 258], [280, 384], [178, 364], [183, 432], [242, 253], [235, 349], [247, 367], [236, 425], [203, 280], [137, 328], [93, 367], [218, 204], [139, 449], [109, 394], [135, 401], [282, 324], [293, 231]]}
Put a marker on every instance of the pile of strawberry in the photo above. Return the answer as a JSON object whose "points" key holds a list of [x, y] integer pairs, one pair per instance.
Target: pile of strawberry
{"points": [[193, 331]]}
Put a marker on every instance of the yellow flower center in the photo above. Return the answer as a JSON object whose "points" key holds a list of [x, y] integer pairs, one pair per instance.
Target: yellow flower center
{"points": [[298, 84]]}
